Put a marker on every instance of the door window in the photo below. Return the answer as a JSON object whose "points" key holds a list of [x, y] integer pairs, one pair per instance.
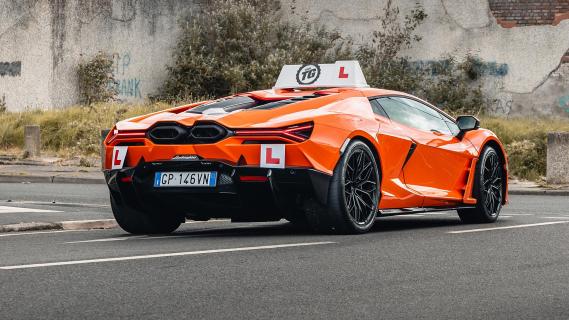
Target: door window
{"points": [[377, 109], [414, 114], [453, 127]]}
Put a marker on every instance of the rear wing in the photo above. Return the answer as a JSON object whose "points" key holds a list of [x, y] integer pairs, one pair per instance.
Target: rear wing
{"points": [[338, 75]]}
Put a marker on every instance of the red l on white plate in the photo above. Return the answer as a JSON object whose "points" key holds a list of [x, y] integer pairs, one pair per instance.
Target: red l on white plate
{"points": [[119, 154], [273, 156]]}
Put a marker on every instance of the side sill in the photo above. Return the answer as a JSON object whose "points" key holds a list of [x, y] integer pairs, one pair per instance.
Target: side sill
{"points": [[403, 211]]}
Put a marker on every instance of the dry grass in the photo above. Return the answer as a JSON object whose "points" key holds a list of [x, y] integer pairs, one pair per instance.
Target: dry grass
{"points": [[75, 132], [526, 142], [69, 131]]}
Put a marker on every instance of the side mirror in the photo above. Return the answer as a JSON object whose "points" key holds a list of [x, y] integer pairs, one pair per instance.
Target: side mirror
{"points": [[467, 123]]}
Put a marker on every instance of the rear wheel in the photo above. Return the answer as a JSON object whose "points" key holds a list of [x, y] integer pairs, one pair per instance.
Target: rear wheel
{"points": [[141, 222], [354, 192], [488, 189]]}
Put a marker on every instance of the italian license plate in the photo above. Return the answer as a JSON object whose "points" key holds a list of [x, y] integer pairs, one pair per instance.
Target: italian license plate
{"points": [[185, 179]]}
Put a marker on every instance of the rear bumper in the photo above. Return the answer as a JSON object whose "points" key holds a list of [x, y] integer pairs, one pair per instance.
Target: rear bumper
{"points": [[271, 199]]}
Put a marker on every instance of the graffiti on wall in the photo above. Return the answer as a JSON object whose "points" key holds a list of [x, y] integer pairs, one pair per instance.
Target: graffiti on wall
{"points": [[482, 68], [564, 103], [126, 85], [501, 106], [11, 69]]}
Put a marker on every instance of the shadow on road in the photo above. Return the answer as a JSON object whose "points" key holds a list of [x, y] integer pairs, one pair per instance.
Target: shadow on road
{"points": [[387, 224], [409, 223]]}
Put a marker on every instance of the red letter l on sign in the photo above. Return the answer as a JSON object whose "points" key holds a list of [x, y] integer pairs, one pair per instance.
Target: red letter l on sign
{"points": [[117, 159], [270, 159], [343, 74]]}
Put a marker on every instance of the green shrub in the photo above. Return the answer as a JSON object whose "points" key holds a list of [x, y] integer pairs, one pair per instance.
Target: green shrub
{"points": [[453, 88], [96, 80], [380, 59], [241, 45]]}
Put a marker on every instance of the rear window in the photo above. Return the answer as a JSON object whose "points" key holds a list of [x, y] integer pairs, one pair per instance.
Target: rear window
{"points": [[280, 103]]}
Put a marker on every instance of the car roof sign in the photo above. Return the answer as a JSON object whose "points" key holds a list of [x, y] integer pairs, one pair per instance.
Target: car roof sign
{"points": [[336, 75]]}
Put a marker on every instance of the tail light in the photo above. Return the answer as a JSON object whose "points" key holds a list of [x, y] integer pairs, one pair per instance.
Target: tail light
{"points": [[116, 134], [296, 133]]}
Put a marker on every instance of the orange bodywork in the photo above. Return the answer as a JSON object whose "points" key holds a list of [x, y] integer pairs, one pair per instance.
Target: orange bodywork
{"points": [[439, 173]]}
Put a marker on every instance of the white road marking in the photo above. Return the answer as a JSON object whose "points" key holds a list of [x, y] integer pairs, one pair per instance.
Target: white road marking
{"points": [[520, 214], [147, 237], [130, 238], [55, 203], [558, 217], [107, 239], [4, 209], [164, 255], [508, 227], [12, 234]]}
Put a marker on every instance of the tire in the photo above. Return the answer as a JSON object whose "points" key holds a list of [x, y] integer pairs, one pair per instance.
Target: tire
{"points": [[353, 194], [488, 189], [139, 222]]}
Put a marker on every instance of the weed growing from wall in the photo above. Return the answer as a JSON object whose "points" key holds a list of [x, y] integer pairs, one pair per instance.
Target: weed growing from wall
{"points": [[3, 106], [95, 79], [448, 83], [380, 57]]}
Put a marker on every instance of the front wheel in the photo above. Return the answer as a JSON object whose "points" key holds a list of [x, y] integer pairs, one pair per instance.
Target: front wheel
{"points": [[488, 189], [354, 192]]}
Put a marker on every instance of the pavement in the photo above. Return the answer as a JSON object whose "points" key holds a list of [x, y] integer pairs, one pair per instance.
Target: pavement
{"points": [[423, 266], [34, 183], [22, 172], [51, 170]]}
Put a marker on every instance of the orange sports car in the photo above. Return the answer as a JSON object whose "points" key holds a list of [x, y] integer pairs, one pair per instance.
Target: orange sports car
{"points": [[320, 149]]}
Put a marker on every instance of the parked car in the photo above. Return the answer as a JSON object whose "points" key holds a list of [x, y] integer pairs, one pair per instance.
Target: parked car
{"points": [[320, 149]]}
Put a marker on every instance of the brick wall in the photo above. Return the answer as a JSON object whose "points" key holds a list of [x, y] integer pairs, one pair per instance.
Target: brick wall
{"points": [[516, 13], [565, 58]]}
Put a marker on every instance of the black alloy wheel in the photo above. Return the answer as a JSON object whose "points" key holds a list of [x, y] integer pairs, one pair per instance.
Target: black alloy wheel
{"points": [[360, 187], [353, 195], [488, 189], [492, 183]]}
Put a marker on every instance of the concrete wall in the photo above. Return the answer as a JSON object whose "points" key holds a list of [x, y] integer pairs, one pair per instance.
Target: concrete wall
{"points": [[558, 158], [525, 75], [41, 42]]}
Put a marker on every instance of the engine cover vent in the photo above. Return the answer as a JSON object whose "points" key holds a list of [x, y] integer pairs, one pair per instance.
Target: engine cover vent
{"points": [[174, 133], [168, 134], [208, 133]]}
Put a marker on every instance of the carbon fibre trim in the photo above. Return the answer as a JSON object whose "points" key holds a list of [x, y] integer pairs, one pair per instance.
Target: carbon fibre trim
{"points": [[409, 153], [404, 211]]}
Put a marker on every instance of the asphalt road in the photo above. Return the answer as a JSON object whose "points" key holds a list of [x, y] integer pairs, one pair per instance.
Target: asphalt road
{"points": [[52, 202], [55, 192], [413, 267]]}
